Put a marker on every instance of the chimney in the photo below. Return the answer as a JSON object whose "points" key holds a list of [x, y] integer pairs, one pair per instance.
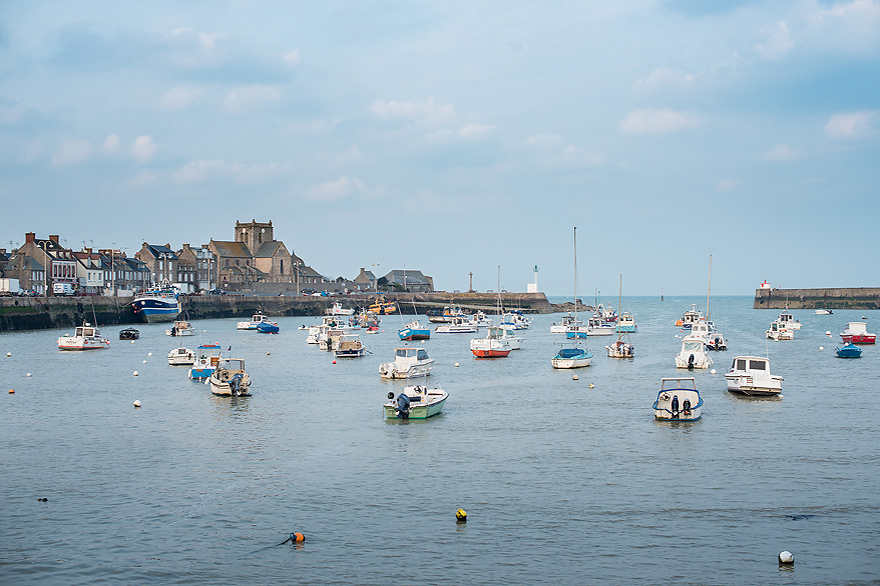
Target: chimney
{"points": [[55, 238], [30, 237]]}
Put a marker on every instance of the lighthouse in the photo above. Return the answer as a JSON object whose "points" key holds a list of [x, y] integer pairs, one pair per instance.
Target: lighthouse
{"points": [[533, 287]]}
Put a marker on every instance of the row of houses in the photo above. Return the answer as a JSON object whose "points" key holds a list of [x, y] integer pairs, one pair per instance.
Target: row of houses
{"points": [[253, 261]]}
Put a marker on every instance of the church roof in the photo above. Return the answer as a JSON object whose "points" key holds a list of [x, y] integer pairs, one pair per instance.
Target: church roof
{"points": [[268, 249], [226, 249]]}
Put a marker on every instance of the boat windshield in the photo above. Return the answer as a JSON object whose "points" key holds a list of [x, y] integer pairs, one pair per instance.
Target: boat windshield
{"points": [[422, 355], [758, 364], [692, 346], [667, 384]]}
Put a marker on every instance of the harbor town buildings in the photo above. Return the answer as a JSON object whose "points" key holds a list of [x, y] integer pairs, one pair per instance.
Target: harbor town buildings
{"points": [[254, 261]]}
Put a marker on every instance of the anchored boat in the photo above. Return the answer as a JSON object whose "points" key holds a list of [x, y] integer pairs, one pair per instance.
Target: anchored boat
{"points": [[230, 379], [408, 363], [85, 337], [416, 402], [750, 375], [678, 400]]}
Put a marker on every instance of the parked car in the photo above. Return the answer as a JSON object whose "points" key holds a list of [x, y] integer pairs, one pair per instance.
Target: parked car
{"points": [[216, 292]]}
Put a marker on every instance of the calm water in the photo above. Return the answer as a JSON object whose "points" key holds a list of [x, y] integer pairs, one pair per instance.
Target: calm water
{"points": [[563, 484]]}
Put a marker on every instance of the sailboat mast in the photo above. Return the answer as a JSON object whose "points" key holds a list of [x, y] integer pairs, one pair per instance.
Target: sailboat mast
{"points": [[500, 305], [709, 287], [575, 279], [619, 309]]}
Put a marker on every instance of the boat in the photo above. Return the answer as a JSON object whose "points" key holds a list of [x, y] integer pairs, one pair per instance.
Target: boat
{"points": [[181, 328], [85, 337], [480, 320], [337, 309], [268, 327], [788, 320], [408, 363], [598, 326], [129, 334], [823, 312], [458, 325], [181, 357], [574, 357], [331, 338], [563, 326], [414, 331], [678, 400], [373, 330], [230, 378], [689, 318], [493, 345], [512, 337], [447, 314], [516, 319], [778, 332], [157, 305], [693, 354], [856, 332], [207, 359], [349, 346], [750, 375], [627, 324], [253, 323], [383, 308], [415, 402], [849, 351], [620, 349], [716, 341]]}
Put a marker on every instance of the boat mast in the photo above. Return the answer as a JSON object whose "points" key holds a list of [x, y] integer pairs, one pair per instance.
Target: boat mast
{"points": [[500, 304], [576, 326], [619, 310], [709, 287]]}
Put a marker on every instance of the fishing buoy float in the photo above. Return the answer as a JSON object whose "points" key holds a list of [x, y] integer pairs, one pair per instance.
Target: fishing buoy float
{"points": [[132, 341], [827, 333], [294, 537], [713, 371], [574, 377], [821, 347], [145, 361], [11, 391], [461, 516], [456, 365], [28, 374], [137, 404], [268, 354], [9, 355], [149, 353], [135, 373], [334, 362], [592, 386], [786, 557]]}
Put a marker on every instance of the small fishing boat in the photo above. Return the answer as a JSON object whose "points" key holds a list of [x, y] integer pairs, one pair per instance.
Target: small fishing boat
{"points": [[693, 354], [563, 326], [330, 341], [349, 346], [383, 308], [750, 375], [512, 338], [207, 359], [416, 402], [447, 314], [849, 351], [85, 337], [620, 349], [253, 323], [181, 328], [627, 324], [337, 309], [823, 312], [678, 400], [716, 341], [856, 332], [598, 326], [157, 305], [458, 325], [778, 331], [373, 330], [230, 378], [690, 317], [414, 331], [181, 357], [408, 363], [129, 334], [516, 319], [788, 320], [492, 346], [268, 328]]}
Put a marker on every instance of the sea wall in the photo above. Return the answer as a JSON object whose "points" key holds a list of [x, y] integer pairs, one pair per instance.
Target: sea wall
{"points": [[833, 298]]}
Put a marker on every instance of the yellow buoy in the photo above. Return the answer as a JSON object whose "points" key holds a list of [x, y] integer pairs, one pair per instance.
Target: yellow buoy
{"points": [[461, 516], [574, 377], [592, 386], [11, 391]]}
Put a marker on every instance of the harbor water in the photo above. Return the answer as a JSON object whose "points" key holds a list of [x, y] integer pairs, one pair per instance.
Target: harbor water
{"points": [[564, 481]]}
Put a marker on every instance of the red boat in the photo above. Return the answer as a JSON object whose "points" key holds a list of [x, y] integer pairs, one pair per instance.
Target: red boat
{"points": [[856, 332]]}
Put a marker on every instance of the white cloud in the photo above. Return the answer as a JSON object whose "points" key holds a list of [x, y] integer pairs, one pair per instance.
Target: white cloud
{"points": [[293, 57], [651, 121], [852, 124], [781, 152], [726, 184], [144, 149], [111, 144], [556, 153], [144, 178], [178, 98], [425, 112], [198, 171], [475, 130], [545, 141], [664, 77], [72, 152], [246, 98], [778, 41], [202, 171], [336, 190]]}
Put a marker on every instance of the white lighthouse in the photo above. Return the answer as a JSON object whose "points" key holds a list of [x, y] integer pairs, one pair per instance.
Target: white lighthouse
{"points": [[533, 287]]}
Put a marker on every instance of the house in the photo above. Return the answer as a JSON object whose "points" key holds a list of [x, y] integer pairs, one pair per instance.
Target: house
{"points": [[365, 281], [203, 263], [408, 281], [59, 264]]}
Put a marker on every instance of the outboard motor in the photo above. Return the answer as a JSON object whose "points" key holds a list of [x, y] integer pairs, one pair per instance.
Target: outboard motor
{"points": [[686, 406], [402, 406], [235, 383], [674, 406], [691, 362]]}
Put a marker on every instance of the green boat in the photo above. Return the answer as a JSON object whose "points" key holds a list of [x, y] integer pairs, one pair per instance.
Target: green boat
{"points": [[415, 402]]}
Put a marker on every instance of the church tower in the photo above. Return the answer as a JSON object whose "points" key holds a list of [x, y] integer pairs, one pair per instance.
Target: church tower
{"points": [[253, 234]]}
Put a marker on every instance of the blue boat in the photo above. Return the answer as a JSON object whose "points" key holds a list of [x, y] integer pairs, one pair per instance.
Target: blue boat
{"points": [[157, 305], [414, 331], [207, 359], [268, 328], [849, 351]]}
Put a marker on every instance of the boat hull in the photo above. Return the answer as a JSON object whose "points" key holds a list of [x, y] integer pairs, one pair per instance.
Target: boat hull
{"points": [[418, 411], [490, 353], [72, 344], [409, 334], [154, 309], [859, 338]]}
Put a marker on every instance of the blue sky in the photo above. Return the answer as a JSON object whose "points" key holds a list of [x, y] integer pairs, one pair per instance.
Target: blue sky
{"points": [[457, 137]]}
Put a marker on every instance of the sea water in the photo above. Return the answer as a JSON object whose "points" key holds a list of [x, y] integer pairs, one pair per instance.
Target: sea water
{"points": [[564, 481]]}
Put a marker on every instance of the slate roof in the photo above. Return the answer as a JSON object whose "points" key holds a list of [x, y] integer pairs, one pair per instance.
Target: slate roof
{"points": [[412, 278], [226, 249], [268, 249], [157, 249]]}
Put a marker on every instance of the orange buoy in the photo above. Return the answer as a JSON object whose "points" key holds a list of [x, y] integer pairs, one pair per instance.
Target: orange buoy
{"points": [[11, 391], [297, 537]]}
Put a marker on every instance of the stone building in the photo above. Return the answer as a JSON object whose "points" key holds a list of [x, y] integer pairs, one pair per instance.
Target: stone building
{"points": [[203, 263], [161, 262], [409, 281], [365, 281], [60, 266]]}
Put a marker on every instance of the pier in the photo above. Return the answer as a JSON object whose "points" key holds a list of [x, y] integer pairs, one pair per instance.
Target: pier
{"points": [[832, 298]]}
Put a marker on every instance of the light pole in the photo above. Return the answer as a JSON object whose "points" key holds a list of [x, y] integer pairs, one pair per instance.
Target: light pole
{"points": [[376, 285]]}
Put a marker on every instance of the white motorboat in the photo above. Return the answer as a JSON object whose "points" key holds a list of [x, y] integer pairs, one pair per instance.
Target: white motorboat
{"points": [[563, 326], [627, 324], [690, 317], [458, 325], [207, 359], [331, 340], [678, 400], [492, 346], [349, 346], [85, 337], [181, 328], [516, 319], [750, 375], [416, 402], [480, 320], [597, 326], [514, 339], [254, 322], [788, 320], [620, 349], [823, 312], [693, 354], [337, 309], [408, 363], [181, 357], [230, 378], [779, 331]]}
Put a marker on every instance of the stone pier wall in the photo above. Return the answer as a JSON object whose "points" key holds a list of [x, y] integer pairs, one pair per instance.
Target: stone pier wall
{"points": [[832, 298]]}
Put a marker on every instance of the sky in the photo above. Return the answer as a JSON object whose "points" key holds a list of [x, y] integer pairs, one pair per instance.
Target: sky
{"points": [[457, 137]]}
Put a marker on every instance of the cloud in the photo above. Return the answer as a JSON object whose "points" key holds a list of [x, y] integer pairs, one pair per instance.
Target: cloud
{"points": [[778, 41], [246, 98], [425, 112], [545, 141], [144, 178], [178, 98], [554, 152], [726, 185], [475, 130], [336, 190], [72, 152], [111, 144], [292, 57], [853, 25], [203, 171], [781, 152], [656, 122], [852, 124], [664, 77], [144, 149]]}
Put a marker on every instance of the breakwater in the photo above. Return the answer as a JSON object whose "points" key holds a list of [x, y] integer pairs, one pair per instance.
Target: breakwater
{"points": [[30, 313], [832, 298]]}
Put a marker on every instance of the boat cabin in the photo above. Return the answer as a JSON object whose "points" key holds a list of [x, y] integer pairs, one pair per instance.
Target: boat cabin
{"points": [[853, 327], [748, 364], [786, 318], [411, 353], [86, 331]]}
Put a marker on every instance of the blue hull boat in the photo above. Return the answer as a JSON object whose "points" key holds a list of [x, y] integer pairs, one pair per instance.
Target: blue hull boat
{"points": [[849, 351], [267, 328]]}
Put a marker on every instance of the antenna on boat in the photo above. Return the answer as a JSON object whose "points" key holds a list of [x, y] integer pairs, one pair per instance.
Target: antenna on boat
{"points": [[709, 287]]}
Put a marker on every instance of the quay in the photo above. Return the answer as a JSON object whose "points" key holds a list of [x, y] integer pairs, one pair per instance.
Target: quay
{"points": [[32, 313], [831, 298]]}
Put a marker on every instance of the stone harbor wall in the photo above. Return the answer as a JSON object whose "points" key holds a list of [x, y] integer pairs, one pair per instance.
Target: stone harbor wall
{"points": [[832, 298]]}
